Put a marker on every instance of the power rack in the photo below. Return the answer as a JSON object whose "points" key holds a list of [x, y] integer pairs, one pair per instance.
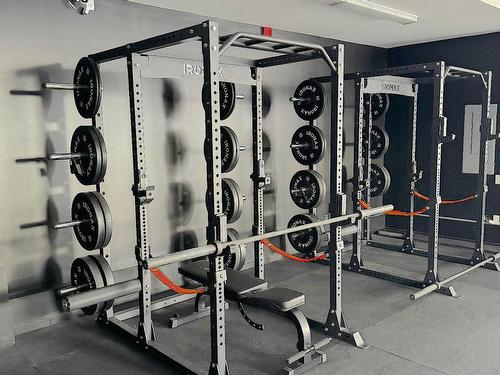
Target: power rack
{"points": [[212, 47], [407, 79]]}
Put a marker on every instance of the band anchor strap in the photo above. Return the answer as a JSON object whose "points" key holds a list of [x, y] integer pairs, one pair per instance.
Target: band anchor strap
{"points": [[444, 201], [173, 286], [283, 253], [365, 205]]}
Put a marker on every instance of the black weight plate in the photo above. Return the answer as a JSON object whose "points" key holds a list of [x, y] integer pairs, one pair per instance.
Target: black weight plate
{"points": [[108, 221], [92, 233], [312, 104], [227, 99], [312, 142], [307, 189], [232, 200], [379, 142], [236, 257], [380, 105], [85, 271], [229, 149], [107, 275], [306, 241], [88, 92], [380, 180], [90, 169]]}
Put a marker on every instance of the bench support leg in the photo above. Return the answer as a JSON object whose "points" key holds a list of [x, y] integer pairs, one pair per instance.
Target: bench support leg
{"points": [[307, 357]]}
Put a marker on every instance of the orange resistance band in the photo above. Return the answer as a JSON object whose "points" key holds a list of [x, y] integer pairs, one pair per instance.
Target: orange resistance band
{"points": [[176, 288], [455, 201], [364, 205], [283, 253]]}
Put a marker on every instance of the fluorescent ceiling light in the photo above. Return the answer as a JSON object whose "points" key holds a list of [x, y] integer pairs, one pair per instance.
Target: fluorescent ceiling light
{"points": [[493, 3], [382, 11]]}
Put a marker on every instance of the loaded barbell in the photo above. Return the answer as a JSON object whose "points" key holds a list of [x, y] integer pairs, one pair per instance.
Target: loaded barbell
{"points": [[308, 145], [309, 100], [86, 87], [87, 156], [93, 295], [307, 189], [90, 220]]}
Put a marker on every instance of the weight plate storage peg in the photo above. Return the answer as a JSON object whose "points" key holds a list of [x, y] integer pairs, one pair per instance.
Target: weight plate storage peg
{"points": [[379, 142], [232, 200], [307, 189], [236, 256], [309, 100], [91, 272], [87, 87], [380, 105], [90, 167], [230, 149], [308, 145], [306, 241], [91, 220], [380, 180]]}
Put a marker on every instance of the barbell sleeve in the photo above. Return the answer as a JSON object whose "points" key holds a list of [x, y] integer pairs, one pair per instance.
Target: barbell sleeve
{"points": [[349, 230], [62, 86], [437, 285], [72, 289], [92, 297], [242, 148], [211, 249], [68, 224], [376, 211], [240, 96], [299, 145], [66, 155]]}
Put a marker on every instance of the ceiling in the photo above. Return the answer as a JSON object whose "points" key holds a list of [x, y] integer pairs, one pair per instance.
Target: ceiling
{"points": [[439, 19]]}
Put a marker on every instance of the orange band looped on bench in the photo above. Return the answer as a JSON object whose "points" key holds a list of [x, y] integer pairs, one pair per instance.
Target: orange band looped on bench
{"points": [[365, 205], [176, 288], [283, 253], [453, 201]]}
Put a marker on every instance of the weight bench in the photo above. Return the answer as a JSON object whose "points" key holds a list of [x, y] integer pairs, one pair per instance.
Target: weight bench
{"points": [[243, 288]]}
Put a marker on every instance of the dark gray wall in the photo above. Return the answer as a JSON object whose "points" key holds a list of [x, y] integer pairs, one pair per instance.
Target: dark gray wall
{"points": [[45, 46], [480, 53]]}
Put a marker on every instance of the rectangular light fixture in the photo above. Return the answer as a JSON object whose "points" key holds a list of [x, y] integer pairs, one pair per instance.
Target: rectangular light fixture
{"points": [[381, 11], [493, 3]]}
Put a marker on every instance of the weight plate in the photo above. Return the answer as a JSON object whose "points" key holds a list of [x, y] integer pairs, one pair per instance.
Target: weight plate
{"points": [[236, 257], [227, 99], [229, 149], [307, 189], [308, 145], [380, 105], [91, 234], [379, 142], [380, 180], [90, 169], [107, 275], [232, 200], [85, 271], [108, 221], [306, 241], [89, 88], [309, 100]]}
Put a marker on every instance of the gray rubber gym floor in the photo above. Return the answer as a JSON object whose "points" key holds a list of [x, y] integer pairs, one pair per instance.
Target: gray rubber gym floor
{"points": [[435, 335]]}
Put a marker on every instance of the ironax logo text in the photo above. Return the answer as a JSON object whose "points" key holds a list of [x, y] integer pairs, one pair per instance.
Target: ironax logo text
{"points": [[197, 70], [391, 87]]}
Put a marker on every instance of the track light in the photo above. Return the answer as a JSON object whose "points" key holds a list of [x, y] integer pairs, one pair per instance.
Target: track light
{"points": [[382, 11]]}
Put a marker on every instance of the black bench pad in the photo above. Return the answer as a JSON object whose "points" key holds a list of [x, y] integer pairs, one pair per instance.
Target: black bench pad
{"points": [[281, 299], [238, 286]]}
